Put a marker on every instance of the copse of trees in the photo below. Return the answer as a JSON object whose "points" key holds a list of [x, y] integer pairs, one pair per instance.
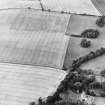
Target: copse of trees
{"points": [[74, 81], [87, 72], [101, 21], [90, 33], [85, 43], [95, 85], [90, 92], [102, 94]]}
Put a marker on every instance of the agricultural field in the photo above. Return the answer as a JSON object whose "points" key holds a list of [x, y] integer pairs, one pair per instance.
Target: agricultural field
{"points": [[72, 6], [36, 45], [5, 4], [33, 37], [77, 25], [22, 84]]}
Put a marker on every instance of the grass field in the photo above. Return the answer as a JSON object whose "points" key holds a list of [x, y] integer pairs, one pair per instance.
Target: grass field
{"points": [[76, 26], [74, 51], [33, 37], [21, 84]]}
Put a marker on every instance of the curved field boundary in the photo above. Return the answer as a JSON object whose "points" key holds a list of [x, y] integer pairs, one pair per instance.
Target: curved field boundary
{"points": [[22, 84]]}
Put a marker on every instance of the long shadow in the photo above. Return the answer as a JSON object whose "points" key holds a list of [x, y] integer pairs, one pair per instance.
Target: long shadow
{"points": [[79, 36]]}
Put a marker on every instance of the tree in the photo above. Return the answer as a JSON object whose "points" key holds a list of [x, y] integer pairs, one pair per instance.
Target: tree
{"points": [[85, 43], [103, 86], [52, 99], [40, 102], [91, 93], [102, 94], [91, 55], [78, 86], [88, 72], [101, 21], [32, 103], [91, 78], [102, 73]]}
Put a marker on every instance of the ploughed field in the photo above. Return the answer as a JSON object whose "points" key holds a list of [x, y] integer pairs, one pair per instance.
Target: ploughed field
{"points": [[22, 84], [33, 37]]}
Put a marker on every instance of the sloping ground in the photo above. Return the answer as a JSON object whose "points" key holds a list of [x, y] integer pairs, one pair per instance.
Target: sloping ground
{"points": [[33, 37], [100, 5], [73, 6], [4, 4], [22, 84], [76, 26]]}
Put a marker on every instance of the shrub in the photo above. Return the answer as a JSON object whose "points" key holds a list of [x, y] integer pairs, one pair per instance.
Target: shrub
{"points": [[62, 12], [64, 68], [91, 93], [103, 86], [88, 72], [77, 86], [32, 103], [49, 10], [95, 85], [52, 99], [40, 102], [101, 21], [85, 43]]}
